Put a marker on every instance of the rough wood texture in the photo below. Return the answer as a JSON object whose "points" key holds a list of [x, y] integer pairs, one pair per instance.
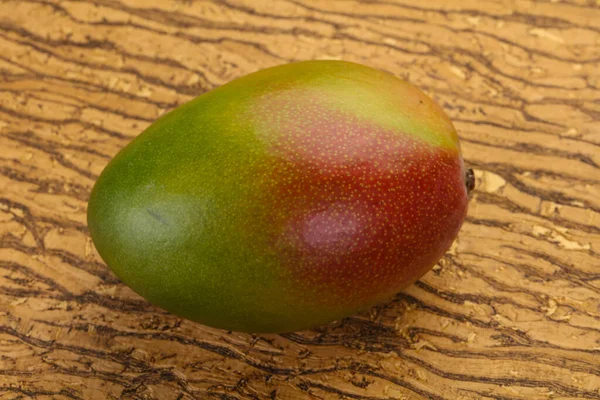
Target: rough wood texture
{"points": [[511, 312]]}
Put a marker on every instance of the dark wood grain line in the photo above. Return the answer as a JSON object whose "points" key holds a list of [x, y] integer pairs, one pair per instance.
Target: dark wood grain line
{"points": [[47, 186], [520, 338], [114, 378], [27, 220], [53, 285], [574, 276], [157, 376], [78, 83], [34, 392], [59, 292], [461, 298], [590, 4], [567, 270], [506, 204], [237, 387], [29, 139], [222, 396], [306, 385], [59, 223], [519, 128], [529, 148], [558, 387], [96, 269], [81, 104], [508, 172], [492, 395], [533, 20], [86, 299], [87, 125]]}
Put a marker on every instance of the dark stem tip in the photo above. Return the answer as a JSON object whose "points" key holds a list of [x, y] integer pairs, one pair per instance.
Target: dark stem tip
{"points": [[470, 180]]}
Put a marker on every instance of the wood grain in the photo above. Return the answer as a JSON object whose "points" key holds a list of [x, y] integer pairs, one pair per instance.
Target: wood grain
{"points": [[511, 312]]}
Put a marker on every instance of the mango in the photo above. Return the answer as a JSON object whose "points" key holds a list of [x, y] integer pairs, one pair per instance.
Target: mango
{"points": [[283, 200]]}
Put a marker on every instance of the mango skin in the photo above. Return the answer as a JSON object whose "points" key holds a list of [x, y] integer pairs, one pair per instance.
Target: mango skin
{"points": [[283, 200]]}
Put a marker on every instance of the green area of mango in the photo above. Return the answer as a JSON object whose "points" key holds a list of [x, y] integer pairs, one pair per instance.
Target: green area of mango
{"points": [[283, 200]]}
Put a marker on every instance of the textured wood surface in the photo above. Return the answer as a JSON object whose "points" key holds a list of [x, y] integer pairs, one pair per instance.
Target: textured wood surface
{"points": [[511, 312]]}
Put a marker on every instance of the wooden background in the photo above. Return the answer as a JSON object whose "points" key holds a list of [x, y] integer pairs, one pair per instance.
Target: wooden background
{"points": [[511, 312]]}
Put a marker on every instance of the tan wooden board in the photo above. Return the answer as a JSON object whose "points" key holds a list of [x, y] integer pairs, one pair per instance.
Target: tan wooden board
{"points": [[511, 312]]}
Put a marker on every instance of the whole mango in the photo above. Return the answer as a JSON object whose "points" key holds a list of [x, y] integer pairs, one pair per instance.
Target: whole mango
{"points": [[286, 199]]}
